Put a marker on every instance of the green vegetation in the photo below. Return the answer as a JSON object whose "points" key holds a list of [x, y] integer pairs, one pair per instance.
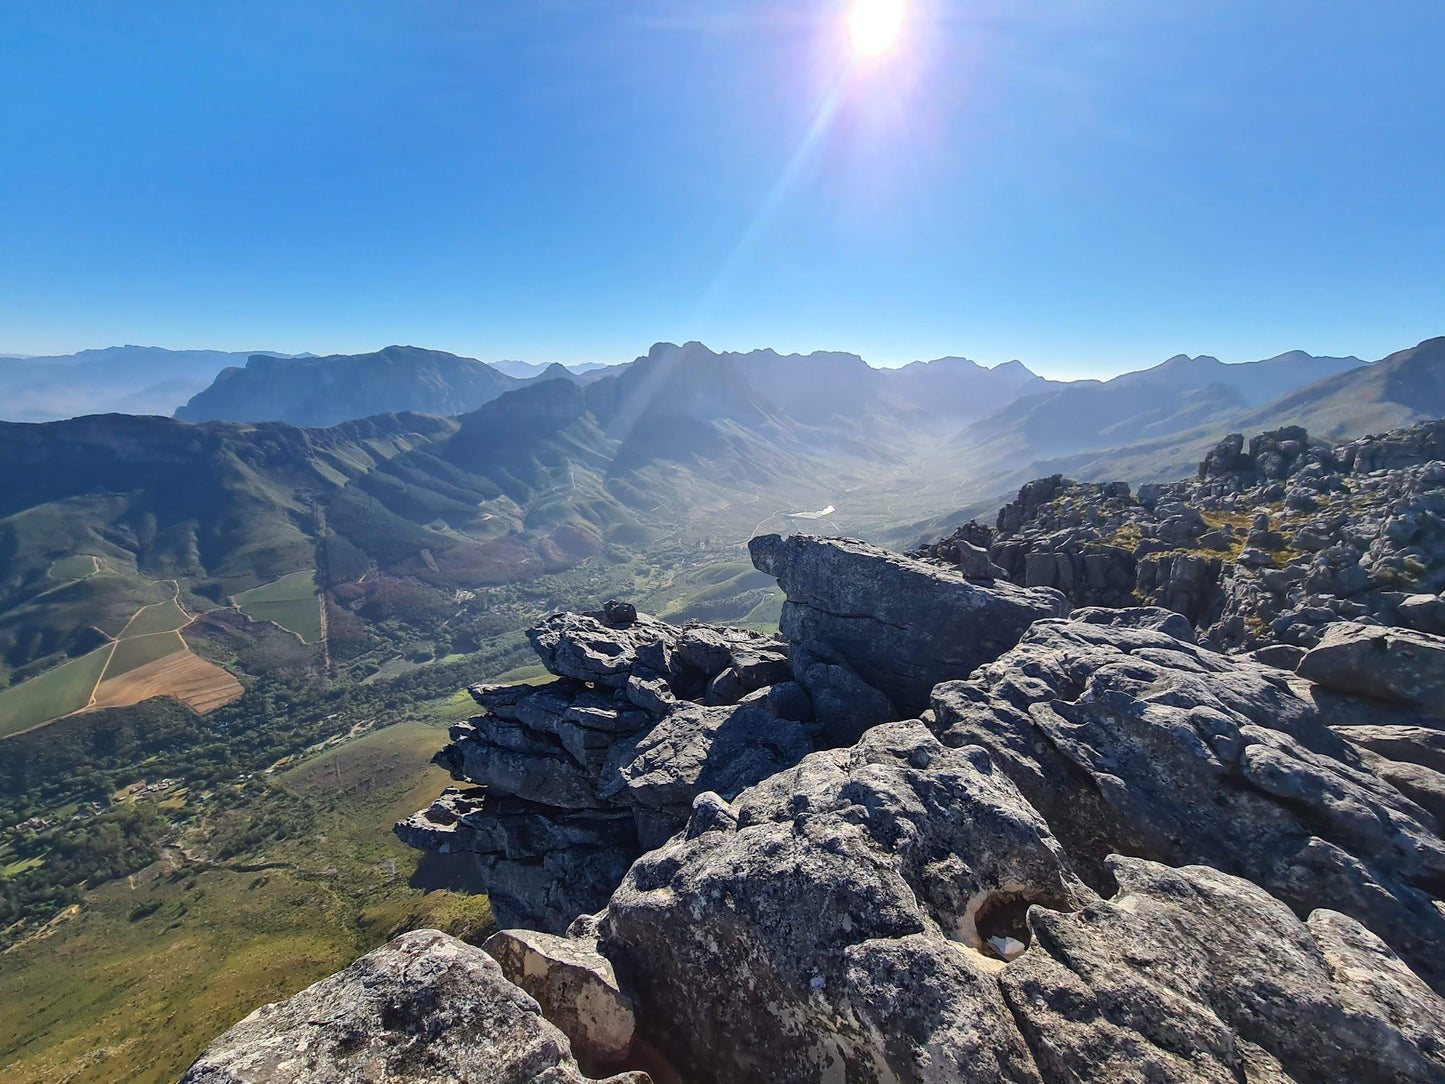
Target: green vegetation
{"points": [[163, 617], [291, 877], [74, 568], [51, 627], [53, 694], [291, 602], [136, 651], [166, 873]]}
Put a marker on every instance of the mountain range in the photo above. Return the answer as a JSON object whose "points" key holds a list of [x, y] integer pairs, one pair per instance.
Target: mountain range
{"points": [[480, 477], [128, 379]]}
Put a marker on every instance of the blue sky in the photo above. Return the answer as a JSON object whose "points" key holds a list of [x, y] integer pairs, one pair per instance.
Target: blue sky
{"points": [[1086, 185]]}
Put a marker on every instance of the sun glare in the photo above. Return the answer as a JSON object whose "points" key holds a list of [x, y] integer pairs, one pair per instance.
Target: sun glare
{"points": [[875, 25]]}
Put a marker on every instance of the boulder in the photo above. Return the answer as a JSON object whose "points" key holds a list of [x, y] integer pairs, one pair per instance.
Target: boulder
{"points": [[617, 612], [423, 1009], [1398, 665], [1280, 656], [1138, 617], [1423, 612], [901, 624], [835, 920], [1130, 740], [576, 988], [1192, 975], [786, 700]]}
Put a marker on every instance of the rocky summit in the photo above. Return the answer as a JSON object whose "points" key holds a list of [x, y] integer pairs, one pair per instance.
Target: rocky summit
{"points": [[1272, 541], [943, 827]]}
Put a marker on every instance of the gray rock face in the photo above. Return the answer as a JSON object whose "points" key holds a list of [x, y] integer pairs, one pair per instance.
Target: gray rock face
{"points": [[1397, 665], [1129, 740], [577, 777], [899, 623], [1189, 974], [839, 921], [576, 988], [844, 705], [773, 941], [424, 1009], [697, 749]]}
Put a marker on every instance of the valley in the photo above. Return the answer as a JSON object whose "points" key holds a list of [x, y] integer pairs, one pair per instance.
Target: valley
{"points": [[228, 649]]}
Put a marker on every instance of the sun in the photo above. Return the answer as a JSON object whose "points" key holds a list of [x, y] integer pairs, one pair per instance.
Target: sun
{"points": [[875, 25]]}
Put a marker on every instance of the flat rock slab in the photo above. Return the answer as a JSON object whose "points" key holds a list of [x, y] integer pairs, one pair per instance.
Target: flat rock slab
{"points": [[901, 623], [1398, 665], [575, 986]]}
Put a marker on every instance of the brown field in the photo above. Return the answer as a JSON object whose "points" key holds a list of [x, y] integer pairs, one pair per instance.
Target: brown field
{"points": [[187, 677]]}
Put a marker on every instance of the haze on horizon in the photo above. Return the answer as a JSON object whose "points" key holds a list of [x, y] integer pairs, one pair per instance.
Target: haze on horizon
{"points": [[1088, 187]]}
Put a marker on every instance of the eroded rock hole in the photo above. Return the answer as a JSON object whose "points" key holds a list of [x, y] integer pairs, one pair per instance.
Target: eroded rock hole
{"points": [[1002, 925]]}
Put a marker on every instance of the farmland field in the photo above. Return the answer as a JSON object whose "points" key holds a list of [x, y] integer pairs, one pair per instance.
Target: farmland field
{"points": [[134, 651], [163, 617], [53, 694], [291, 602], [202, 685]]}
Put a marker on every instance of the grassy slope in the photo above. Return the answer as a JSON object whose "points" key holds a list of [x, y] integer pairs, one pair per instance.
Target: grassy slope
{"points": [[72, 568], [130, 995], [136, 651], [164, 617], [53, 694], [291, 602]]}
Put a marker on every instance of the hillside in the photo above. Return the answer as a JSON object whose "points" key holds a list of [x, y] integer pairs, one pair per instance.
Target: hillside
{"points": [[682, 443], [1406, 387], [321, 391], [1173, 397]]}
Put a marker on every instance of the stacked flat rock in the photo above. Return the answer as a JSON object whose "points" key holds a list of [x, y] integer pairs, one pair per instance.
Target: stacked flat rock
{"points": [[572, 780], [899, 624]]}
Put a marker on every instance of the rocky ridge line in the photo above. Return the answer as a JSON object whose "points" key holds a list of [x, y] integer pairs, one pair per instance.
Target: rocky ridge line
{"points": [[1265, 547], [944, 829]]}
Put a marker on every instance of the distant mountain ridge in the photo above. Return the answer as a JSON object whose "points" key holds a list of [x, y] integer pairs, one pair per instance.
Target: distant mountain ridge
{"points": [[683, 443], [1398, 390], [323, 391], [1171, 397], [125, 379]]}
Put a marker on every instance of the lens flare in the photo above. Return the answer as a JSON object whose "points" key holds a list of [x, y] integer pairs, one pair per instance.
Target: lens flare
{"points": [[875, 25]]}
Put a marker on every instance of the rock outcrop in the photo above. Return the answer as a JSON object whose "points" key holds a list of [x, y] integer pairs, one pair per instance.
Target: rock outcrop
{"points": [[940, 831], [900, 624], [425, 1007], [1268, 545], [574, 779], [1131, 740]]}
